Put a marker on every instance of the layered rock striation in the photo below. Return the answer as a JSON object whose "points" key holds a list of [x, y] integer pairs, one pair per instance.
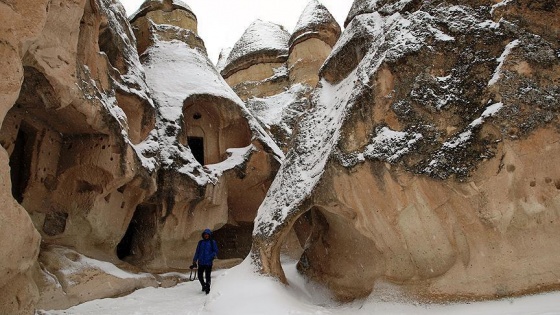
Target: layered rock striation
{"points": [[427, 157]]}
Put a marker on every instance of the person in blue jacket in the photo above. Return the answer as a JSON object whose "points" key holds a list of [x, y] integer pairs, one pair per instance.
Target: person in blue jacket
{"points": [[206, 252]]}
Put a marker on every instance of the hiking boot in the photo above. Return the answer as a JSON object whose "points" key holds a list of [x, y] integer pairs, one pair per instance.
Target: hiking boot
{"points": [[207, 289]]}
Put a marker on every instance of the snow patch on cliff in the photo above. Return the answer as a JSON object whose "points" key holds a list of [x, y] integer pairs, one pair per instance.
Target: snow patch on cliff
{"points": [[278, 109], [390, 145], [498, 72]]}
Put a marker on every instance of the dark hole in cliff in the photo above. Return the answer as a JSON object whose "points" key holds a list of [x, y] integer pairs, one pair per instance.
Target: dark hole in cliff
{"points": [[20, 161], [196, 144], [234, 241], [55, 223], [137, 244]]}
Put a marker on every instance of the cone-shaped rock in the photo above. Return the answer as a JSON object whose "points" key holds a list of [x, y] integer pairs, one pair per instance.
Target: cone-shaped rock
{"points": [[311, 43], [159, 5], [165, 20], [316, 21], [262, 42]]}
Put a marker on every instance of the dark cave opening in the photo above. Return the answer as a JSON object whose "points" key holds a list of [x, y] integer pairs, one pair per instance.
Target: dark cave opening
{"points": [[137, 244], [196, 144], [20, 161], [234, 241]]}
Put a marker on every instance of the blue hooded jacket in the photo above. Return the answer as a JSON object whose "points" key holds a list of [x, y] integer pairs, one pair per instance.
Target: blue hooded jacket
{"points": [[206, 250]]}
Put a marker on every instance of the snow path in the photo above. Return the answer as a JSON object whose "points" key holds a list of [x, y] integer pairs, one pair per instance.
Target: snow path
{"points": [[239, 291]]}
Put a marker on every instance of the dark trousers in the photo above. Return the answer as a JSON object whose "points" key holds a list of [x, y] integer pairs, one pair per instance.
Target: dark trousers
{"points": [[206, 271]]}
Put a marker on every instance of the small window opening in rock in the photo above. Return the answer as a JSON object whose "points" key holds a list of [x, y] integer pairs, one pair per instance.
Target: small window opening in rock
{"points": [[20, 161], [136, 245], [197, 116], [196, 144], [55, 223]]}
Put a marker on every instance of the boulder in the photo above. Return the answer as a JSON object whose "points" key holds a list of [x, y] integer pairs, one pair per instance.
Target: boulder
{"points": [[67, 278]]}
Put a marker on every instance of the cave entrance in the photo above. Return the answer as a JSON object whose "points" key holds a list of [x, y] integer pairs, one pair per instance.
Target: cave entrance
{"points": [[234, 241], [196, 144], [20, 160], [137, 244]]}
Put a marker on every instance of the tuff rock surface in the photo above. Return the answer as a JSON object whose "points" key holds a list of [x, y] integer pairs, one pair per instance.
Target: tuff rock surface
{"points": [[94, 159], [275, 72], [427, 158], [420, 143]]}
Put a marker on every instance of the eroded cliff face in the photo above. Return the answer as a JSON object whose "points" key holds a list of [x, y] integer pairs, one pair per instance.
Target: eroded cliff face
{"points": [[113, 161], [427, 159], [216, 162], [73, 110]]}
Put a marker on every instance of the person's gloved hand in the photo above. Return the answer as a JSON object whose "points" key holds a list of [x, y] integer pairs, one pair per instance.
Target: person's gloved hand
{"points": [[193, 266]]}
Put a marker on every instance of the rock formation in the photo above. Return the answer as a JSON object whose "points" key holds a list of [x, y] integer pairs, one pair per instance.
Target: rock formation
{"points": [[255, 67], [311, 43], [216, 162], [96, 159], [421, 148], [427, 157], [275, 72], [74, 110]]}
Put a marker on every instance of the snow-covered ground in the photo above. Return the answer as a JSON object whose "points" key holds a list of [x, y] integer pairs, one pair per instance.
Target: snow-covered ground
{"points": [[240, 291]]}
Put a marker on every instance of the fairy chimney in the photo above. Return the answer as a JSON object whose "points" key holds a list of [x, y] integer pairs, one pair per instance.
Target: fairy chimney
{"points": [[311, 43], [428, 157], [256, 66], [165, 19], [216, 161]]}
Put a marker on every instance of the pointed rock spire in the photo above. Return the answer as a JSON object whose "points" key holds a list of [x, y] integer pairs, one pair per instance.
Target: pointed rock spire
{"points": [[164, 5], [316, 21], [262, 42]]}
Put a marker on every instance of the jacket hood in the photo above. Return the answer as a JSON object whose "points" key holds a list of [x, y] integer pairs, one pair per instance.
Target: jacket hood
{"points": [[207, 231]]}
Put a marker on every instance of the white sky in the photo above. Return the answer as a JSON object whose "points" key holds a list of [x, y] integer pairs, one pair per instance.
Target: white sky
{"points": [[222, 22]]}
